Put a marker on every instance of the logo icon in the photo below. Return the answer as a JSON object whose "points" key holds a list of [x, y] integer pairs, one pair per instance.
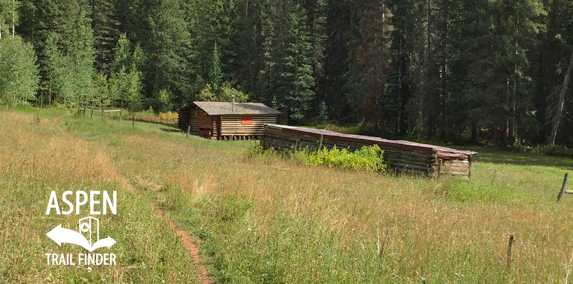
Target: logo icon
{"points": [[86, 237], [86, 225]]}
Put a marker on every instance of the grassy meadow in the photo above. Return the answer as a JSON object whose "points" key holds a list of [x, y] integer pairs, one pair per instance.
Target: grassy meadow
{"points": [[265, 219], [37, 157]]}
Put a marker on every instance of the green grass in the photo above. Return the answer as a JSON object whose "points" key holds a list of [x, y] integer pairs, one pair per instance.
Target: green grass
{"points": [[497, 156], [43, 112], [264, 219], [36, 158], [269, 220]]}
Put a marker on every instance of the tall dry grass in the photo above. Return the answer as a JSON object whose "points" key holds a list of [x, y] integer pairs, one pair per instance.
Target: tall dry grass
{"points": [[36, 158], [271, 220]]}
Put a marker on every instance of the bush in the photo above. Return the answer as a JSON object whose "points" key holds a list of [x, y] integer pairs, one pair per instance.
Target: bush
{"points": [[260, 153], [169, 116], [554, 150], [367, 158]]}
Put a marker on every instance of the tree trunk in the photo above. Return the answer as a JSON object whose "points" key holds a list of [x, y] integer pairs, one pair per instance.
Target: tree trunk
{"points": [[431, 116], [560, 104], [13, 18]]}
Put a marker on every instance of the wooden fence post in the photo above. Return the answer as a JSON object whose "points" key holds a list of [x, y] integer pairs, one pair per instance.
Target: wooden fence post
{"points": [[188, 130], [92, 115], [120, 110], [562, 191], [102, 111], [510, 251]]}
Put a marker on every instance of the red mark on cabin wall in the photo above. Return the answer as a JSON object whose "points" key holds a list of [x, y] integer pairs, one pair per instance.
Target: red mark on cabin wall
{"points": [[246, 120]]}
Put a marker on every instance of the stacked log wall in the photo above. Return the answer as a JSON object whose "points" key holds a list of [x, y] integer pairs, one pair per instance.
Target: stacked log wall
{"points": [[232, 125], [193, 120], [452, 167], [422, 162], [215, 133], [184, 118]]}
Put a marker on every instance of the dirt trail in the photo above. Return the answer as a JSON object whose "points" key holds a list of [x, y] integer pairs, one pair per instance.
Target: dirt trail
{"points": [[56, 121], [185, 237], [187, 240]]}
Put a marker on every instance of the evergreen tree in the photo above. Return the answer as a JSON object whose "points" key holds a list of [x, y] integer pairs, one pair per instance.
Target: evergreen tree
{"points": [[336, 62], [298, 80], [443, 108], [125, 80], [166, 41], [252, 37], [266, 73], [367, 57], [215, 74], [69, 60], [405, 96], [554, 48], [452, 70], [106, 31], [274, 40], [498, 82], [316, 22]]}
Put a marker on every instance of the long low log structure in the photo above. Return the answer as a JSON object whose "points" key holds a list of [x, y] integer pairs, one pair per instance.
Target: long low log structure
{"points": [[402, 156]]}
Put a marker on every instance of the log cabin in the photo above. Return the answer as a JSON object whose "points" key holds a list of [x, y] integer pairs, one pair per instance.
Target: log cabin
{"points": [[227, 120], [401, 156]]}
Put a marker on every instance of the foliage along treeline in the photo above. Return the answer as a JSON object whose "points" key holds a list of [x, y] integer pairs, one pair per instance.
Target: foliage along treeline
{"points": [[450, 70]]}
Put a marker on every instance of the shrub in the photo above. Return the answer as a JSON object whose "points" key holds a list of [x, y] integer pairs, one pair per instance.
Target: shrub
{"points": [[258, 152], [555, 150], [169, 116], [367, 158]]}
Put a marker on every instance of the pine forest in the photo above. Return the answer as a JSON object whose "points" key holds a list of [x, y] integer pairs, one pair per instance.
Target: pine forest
{"points": [[494, 72]]}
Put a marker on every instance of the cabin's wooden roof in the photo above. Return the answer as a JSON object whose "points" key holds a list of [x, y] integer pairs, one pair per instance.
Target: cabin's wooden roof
{"points": [[226, 108], [399, 144]]}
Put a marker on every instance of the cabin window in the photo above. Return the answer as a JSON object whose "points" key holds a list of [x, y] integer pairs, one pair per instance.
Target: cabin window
{"points": [[246, 120]]}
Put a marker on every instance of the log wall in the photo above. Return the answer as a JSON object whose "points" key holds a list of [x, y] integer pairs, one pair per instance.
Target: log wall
{"points": [[184, 119], [225, 126], [416, 160], [188, 117], [232, 125], [216, 125]]}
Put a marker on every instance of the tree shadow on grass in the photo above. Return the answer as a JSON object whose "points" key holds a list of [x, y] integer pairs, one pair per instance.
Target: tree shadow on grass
{"points": [[499, 156]]}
